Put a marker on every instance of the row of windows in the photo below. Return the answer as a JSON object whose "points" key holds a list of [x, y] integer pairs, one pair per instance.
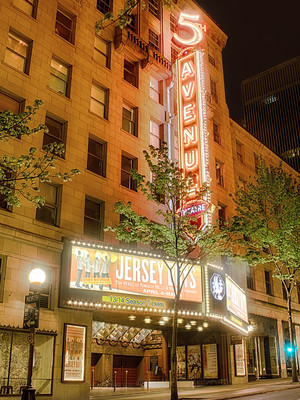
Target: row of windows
{"points": [[268, 283]]}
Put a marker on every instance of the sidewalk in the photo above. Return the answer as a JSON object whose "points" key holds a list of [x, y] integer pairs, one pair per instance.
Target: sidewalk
{"points": [[223, 392]]}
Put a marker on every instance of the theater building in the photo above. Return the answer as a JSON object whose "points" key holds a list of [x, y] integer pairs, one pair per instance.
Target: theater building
{"points": [[106, 307]]}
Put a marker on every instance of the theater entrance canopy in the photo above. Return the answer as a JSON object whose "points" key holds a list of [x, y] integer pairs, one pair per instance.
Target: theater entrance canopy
{"points": [[134, 288]]}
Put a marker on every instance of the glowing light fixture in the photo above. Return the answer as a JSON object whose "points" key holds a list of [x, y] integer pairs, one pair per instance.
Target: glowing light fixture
{"points": [[37, 276]]}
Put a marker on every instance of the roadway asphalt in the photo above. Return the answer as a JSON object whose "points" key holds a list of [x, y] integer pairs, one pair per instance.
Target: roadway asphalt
{"points": [[223, 392]]}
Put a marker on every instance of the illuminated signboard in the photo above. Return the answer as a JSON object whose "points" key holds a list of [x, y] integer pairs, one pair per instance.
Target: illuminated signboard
{"points": [[192, 117], [100, 270], [236, 300]]}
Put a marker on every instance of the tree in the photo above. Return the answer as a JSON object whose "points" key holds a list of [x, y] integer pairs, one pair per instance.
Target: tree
{"points": [[124, 15], [267, 226], [20, 174], [176, 238]]}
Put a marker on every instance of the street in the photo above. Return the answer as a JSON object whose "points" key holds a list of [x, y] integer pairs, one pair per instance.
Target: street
{"points": [[291, 394]]}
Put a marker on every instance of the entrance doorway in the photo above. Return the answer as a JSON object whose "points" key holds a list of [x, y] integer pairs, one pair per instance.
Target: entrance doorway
{"points": [[125, 370]]}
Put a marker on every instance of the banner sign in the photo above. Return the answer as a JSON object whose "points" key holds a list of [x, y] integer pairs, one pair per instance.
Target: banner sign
{"points": [[210, 361], [74, 353], [101, 270], [236, 300], [31, 311]]}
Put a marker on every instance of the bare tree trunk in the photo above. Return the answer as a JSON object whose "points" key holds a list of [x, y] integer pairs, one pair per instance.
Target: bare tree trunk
{"points": [[292, 341], [174, 390]]}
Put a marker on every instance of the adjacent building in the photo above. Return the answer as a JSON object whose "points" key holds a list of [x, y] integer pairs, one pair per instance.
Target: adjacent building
{"points": [[271, 103], [106, 307]]}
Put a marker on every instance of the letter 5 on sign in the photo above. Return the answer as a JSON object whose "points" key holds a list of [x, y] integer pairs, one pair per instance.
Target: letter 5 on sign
{"points": [[188, 22]]}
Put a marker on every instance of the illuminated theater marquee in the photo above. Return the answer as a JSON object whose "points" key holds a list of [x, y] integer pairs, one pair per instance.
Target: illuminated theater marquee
{"points": [[117, 272], [192, 114]]}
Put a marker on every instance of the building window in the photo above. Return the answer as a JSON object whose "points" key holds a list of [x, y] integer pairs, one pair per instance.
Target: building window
{"points": [[18, 51], [173, 23], [174, 55], [156, 90], [153, 6], [94, 218], [99, 101], [268, 282], [220, 173], [221, 214], [2, 276], [27, 6], [96, 161], [133, 25], [127, 164], [14, 355], [256, 162], [284, 294], [65, 25], [298, 292], [241, 184], [129, 119], [156, 134], [49, 212], [56, 133], [216, 133], [45, 294], [8, 103], [131, 73], [102, 52], [211, 56], [250, 277], [104, 6], [154, 39], [213, 90], [60, 74], [240, 152]]}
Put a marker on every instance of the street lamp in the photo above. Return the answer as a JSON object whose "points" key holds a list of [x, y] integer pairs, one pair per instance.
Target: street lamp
{"points": [[31, 320]]}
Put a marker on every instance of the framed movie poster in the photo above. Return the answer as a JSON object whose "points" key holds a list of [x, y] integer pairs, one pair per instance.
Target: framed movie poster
{"points": [[194, 362], [210, 361], [239, 355], [74, 353], [181, 363]]}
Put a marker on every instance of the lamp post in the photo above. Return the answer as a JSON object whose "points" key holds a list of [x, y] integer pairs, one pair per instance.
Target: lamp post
{"points": [[31, 320]]}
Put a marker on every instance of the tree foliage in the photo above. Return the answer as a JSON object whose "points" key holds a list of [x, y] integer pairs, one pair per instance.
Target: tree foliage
{"points": [[124, 16], [20, 174], [267, 227], [268, 213]]}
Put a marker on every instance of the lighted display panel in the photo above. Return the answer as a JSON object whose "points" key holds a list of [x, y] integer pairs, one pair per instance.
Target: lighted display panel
{"points": [[116, 272], [236, 300]]}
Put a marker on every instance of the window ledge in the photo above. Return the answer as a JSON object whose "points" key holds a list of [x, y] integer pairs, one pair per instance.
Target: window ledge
{"points": [[65, 40], [95, 174], [24, 13], [128, 189], [102, 66], [99, 116], [128, 133], [128, 83], [60, 94], [156, 102], [15, 69]]}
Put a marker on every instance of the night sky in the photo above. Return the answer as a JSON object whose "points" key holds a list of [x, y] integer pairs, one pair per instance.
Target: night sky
{"points": [[261, 34]]}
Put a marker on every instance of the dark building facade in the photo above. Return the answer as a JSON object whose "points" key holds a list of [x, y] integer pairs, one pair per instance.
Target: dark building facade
{"points": [[271, 104]]}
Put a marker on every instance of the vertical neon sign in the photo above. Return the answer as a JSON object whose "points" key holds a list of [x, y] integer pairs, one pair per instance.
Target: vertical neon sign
{"points": [[192, 116]]}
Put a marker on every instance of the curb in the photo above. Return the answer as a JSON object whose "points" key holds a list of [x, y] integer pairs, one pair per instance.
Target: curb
{"points": [[237, 395]]}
